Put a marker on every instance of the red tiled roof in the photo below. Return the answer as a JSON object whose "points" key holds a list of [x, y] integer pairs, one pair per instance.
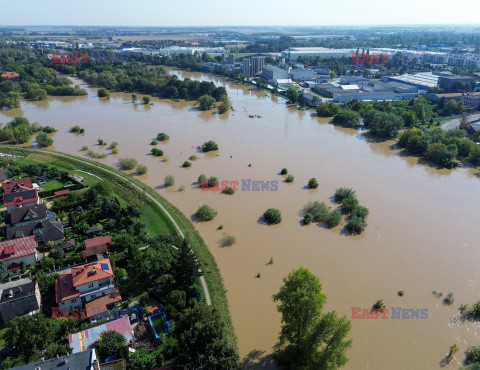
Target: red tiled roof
{"points": [[91, 272], [10, 75], [61, 193], [17, 184], [99, 305], [9, 249], [21, 247], [65, 285], [13, 267], [64, 288], [99, 240]]}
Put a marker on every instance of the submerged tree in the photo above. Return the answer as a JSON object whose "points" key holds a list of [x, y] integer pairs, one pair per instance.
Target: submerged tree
{"points": [[309, 338]]}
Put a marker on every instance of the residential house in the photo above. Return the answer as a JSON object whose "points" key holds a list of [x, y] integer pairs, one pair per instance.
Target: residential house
{"points": [[14, 252], [83, 284], [12, 76], [94, 246], [86, 360], [85, 339], [18, 298], [68, 244], [26, 215], [44, 231], [20, 193]]}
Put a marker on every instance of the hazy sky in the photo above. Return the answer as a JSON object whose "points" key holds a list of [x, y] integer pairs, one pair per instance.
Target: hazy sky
{"points": [[238, 12]]}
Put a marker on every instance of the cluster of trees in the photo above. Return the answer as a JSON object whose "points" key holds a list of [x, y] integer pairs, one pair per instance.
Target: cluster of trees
{"points": [[20, 130], [310, 338], [356, 214], [384, 119], [320, 212], [445, 149], [37, 81], [149, 80]]}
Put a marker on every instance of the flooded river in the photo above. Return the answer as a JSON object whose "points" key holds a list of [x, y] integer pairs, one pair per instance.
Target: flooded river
{"points": [[423, 229]]}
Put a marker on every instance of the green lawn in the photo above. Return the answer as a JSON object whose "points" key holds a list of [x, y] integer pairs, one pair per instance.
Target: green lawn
{"points": [[52, 185], [154, 222]]}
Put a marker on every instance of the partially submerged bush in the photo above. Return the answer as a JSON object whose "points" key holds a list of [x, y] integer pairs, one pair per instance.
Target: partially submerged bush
{"points": [[186, 164], [272, 216], [349, 204], [342, 193], [209, 146], [205, 213], [193, 157], [169, 180], [379, 305], [77, 130], [333, 219], [142, 170], [289, 178], [228, 190], [356, 225], [284, 171], [312, 183], [156, 152], [128, 163], [162, 136], [360, 211], [154, 142], [318, 211], [229, 240]]}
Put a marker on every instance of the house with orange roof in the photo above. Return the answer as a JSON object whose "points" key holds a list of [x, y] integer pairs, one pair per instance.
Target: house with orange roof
{"points": [[94, 246], [12, 76], [20, 193], [85, 284]]}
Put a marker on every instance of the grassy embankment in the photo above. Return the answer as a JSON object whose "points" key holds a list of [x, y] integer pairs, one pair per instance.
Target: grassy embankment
{"points": [[156, 221]]}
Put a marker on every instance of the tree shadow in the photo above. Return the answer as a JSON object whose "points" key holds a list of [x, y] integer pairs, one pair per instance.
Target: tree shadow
{"points": [[261, 221], [257, 359]]}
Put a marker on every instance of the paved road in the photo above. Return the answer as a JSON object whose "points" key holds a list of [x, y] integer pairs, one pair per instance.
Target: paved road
{"points": [[202, 278], [455, 123]]}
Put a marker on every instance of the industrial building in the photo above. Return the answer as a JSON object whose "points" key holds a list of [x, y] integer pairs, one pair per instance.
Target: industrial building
{"points": [[456, 83], [422, 81], [302, 74], [272, 73], [366, 90], [253, 65]]}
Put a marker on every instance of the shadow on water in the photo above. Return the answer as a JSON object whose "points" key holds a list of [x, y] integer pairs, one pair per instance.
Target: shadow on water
{"points": [[257, 360]]}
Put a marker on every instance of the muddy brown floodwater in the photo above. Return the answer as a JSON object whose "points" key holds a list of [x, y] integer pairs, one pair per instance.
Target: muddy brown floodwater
{"points": [[423, 229]]}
